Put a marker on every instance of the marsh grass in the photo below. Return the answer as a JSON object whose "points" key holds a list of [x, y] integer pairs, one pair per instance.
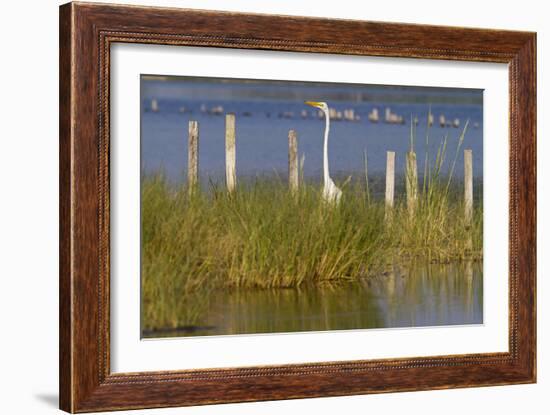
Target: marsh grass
{"points": [[263, 236]]}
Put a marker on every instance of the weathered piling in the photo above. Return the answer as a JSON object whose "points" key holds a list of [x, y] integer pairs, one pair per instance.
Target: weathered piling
{"points": [[193, 155], [230, 153], [390, 181], [468, 186], [292, 161], [411, 182]]}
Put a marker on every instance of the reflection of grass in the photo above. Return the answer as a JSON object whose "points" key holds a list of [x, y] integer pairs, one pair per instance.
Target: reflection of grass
{"points": [[304, 308], [263, 236]]}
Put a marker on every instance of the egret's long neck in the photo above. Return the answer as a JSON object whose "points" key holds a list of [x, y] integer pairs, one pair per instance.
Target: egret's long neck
{"points": [[325, 148]]}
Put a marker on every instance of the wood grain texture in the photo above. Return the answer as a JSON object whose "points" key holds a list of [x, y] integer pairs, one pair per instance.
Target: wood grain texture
{"points": [[468, 186], [86, 33], [65, 246], [193, 155], [390, 180], [293, 176], [230, 153]]}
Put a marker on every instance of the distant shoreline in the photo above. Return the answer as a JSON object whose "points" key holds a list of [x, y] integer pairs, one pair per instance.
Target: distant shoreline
{"points": [[258, 89]]}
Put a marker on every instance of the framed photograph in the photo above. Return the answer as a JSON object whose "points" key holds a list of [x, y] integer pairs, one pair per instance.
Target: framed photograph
{"points": [[258, 207]]}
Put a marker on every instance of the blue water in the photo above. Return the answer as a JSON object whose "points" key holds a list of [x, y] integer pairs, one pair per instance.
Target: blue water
{"points": [[262, 143]]}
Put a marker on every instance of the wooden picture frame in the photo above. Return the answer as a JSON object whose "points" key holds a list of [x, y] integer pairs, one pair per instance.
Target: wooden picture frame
{"points": [[86, 33]]}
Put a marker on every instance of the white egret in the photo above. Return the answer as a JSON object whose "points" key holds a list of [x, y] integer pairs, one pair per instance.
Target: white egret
{"points": [[331, 193]]}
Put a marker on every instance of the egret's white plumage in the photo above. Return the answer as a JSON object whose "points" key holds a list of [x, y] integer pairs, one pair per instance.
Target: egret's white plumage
{"points": [[331, 192]]}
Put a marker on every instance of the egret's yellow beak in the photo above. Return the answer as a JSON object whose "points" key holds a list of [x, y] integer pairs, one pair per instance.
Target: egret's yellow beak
{"points": [[313, 104]]}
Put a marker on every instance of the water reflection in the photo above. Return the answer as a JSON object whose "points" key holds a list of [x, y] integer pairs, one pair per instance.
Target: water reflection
{"points": [[412, 295]]}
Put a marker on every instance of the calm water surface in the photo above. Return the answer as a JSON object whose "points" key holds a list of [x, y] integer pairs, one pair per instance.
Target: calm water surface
{"points": [[262, 143], [403, 296]]}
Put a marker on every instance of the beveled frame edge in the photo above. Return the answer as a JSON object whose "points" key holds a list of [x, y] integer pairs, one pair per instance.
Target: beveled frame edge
{"points": [[86, 33]]}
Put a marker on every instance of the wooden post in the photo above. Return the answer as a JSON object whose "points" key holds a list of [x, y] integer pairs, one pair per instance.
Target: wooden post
{"points": [[411, 182], [468, 187], [230, 153], [292, 161], [390, 181], [193, 155]]}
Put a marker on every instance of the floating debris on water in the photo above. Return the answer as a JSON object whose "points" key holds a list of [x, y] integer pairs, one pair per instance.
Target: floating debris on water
{"points": [[217, 110], [392, 118], [335, 115], [374, 116], [286, 114], [154, 105], [349, 115]]}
